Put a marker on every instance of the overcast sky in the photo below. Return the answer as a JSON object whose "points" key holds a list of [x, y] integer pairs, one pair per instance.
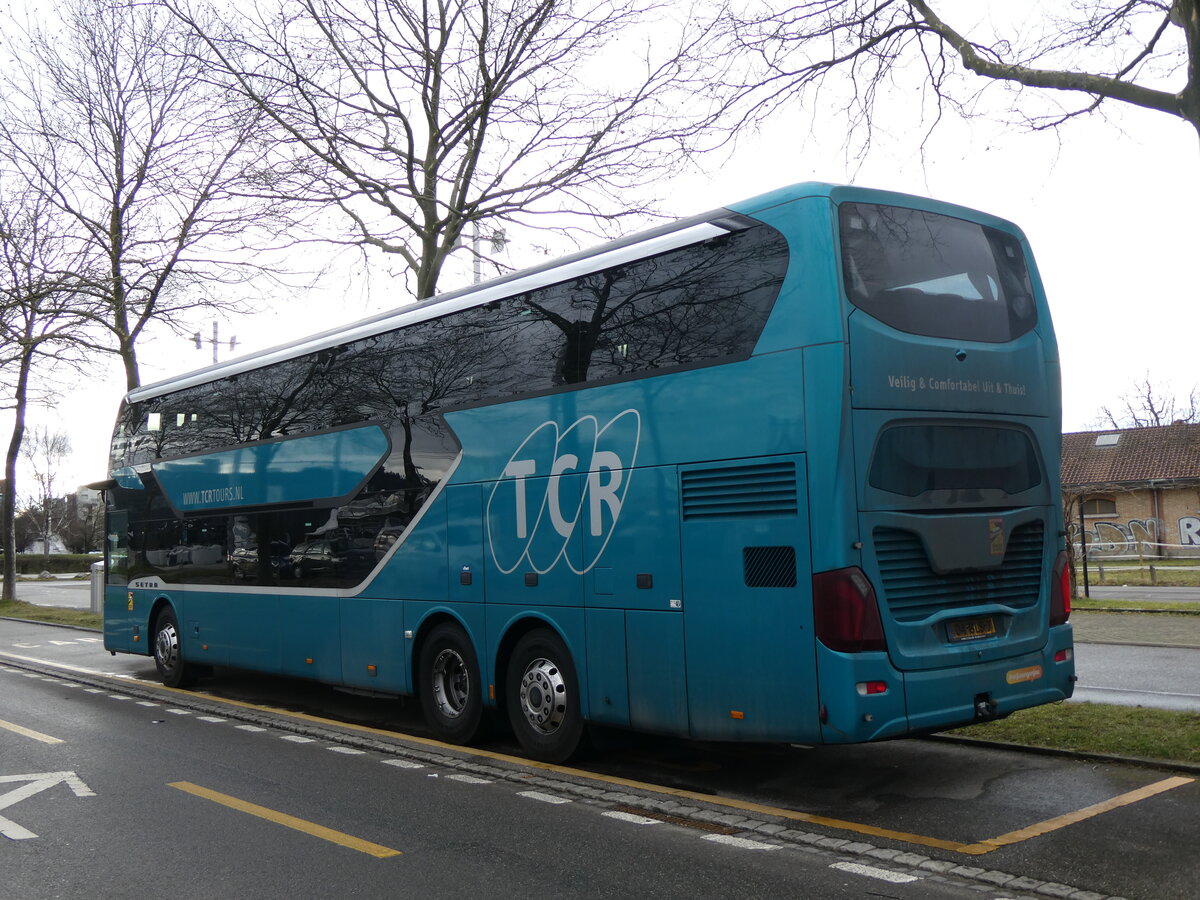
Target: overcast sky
{"points": [[1109, 207]]}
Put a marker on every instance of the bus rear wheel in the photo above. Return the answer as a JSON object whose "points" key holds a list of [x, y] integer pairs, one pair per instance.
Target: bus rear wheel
{"points": [[542, 696], [450, 687], [168, 652]]}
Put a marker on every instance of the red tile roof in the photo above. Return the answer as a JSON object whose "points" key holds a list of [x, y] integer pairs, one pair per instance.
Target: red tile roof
{"points": [[1140, 454]]}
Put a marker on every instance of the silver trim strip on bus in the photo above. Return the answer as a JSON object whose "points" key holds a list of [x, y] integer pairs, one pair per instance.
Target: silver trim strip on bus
{"points": [[486, 293]]}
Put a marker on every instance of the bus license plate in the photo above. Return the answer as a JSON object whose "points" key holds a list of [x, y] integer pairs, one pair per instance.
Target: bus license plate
{"points": [[975, 629]]}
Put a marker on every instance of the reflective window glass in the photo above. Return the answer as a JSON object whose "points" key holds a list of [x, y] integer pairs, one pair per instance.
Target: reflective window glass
{"points": [[935, 275]]}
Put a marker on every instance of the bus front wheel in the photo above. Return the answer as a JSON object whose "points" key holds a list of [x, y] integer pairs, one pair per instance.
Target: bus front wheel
{"points": [[451, 692], [542, 696], [168, 652]]}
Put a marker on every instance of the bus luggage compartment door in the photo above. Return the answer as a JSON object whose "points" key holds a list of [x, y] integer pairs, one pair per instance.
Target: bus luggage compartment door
{"points": [[747, 600]]}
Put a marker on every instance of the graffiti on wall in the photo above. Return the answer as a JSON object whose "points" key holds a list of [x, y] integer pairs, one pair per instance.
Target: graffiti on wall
{"points": [[1119, 538], [1189, 531]]}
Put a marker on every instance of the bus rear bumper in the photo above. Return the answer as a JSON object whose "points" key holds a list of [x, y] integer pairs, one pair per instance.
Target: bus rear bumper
{"points": [[920, 702], [947, 698]]}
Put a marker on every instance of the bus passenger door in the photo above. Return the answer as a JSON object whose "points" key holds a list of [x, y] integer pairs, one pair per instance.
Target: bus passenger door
{"points": [[747, 600]]}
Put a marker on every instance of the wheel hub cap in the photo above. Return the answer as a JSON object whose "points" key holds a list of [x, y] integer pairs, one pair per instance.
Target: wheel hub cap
{"points": [[166, 647], [543, 695], [451, 683]]}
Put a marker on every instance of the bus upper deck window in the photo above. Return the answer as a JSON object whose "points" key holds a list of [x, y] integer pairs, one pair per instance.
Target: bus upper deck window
{"points": [[936, 275]]}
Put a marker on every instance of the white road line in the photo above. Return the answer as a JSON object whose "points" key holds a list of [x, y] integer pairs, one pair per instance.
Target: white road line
{"points": [[349, 751], [55, 664], [544, 798], [296, 738], [631, 818], [213, 719], [180, 712], [468, 779], [252, 728], [873, 872], [147, 703], [740, 843], [403, 764]]}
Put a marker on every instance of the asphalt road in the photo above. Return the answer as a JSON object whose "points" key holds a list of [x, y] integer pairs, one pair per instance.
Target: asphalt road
{"points": [[67, 593], [105, 795], [1159, 594], [1010, 823]]}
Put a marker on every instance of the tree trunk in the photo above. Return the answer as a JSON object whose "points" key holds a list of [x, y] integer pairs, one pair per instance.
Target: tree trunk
{"points": [[46, 534], [8, 534]]}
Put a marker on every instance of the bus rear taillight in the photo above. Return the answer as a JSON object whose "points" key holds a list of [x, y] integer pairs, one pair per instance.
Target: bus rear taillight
{"points": [[845, 611], [1060, 590]]}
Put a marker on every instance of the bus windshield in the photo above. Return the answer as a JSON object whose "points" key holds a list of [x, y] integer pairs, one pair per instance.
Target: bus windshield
{"points": [[935, 275]]}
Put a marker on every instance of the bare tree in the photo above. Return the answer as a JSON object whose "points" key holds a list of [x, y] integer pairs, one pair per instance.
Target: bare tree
{"points": [[44, 451], [1145, 53], [1145, 405], [43, 323], [112, 113], [83, 528], [423, 122]]}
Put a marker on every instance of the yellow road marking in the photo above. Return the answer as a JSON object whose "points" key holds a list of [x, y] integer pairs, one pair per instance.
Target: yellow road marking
{"points": [[328, 834], [974, 849], [30, 733], [1024, 834]]}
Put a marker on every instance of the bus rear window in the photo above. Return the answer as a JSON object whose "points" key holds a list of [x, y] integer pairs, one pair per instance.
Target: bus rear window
{"points": [[912, 460], [935, 275]]}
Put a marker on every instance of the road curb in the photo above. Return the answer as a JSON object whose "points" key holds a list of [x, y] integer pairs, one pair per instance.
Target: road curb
{"points": [[52, 624], [1169, 765]]}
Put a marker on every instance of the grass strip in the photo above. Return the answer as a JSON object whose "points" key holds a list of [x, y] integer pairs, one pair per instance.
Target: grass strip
{"points": [[1136, 731], [1091, 604], [79, 618]]}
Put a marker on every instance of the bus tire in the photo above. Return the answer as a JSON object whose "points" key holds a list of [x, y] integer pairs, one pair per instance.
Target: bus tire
{"points": [[542, 696], [168, 652], [450, 688]]}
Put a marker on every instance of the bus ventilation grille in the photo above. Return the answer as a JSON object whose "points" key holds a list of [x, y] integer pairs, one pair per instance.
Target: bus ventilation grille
{"points": [[915, 592], [767, 489], [769, 567]]}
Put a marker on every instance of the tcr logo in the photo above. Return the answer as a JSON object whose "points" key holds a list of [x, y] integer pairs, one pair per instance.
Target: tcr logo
{"points": [[557, 482]]}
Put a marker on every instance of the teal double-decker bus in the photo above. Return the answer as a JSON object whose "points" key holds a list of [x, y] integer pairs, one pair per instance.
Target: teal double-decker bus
{"points": [[788, 471]]}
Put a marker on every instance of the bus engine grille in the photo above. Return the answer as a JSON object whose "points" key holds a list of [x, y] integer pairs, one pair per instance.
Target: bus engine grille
{"points": [[915, 592]]}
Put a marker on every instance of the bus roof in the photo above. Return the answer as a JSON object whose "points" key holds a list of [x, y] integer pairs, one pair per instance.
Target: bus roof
{"points": [[672, 235]]}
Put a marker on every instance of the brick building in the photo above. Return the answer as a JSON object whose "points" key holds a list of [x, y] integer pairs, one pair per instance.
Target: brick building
{"points": [[1138, 490]]}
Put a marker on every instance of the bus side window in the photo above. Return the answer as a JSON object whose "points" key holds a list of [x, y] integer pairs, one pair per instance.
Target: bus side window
{"points": [[116, 547]]}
